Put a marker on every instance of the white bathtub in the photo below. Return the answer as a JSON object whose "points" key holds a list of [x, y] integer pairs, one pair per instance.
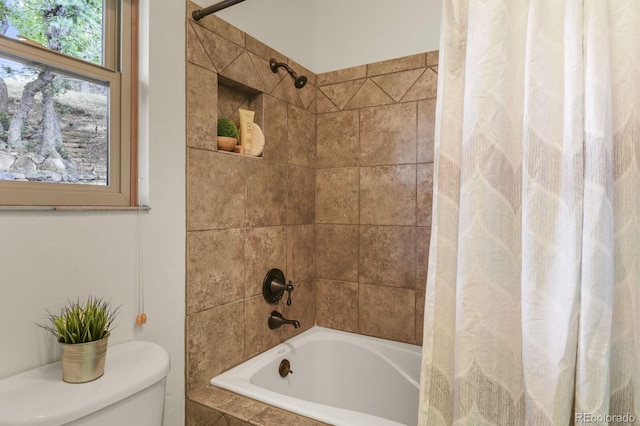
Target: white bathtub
{"points": [[340, 378]]}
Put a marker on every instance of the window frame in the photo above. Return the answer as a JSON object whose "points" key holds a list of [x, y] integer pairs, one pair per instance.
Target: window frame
{"points": [[121, 71]]}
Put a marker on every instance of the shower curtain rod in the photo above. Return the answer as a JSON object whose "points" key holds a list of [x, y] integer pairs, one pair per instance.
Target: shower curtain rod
{"points": [[199, 14]]}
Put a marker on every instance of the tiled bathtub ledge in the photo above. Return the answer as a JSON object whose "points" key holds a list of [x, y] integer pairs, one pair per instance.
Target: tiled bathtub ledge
{"points": [[219, 407]]}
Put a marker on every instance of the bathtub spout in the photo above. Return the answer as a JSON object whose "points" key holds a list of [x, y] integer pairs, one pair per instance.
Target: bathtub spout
{"points": [[276, 320]]}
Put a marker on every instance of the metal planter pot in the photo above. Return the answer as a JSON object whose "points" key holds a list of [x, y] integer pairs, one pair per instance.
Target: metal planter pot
{"points": [[83, 362]]}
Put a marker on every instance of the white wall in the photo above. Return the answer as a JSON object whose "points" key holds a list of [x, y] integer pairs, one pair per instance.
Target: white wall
{"points": [[356, 32], [47, 257], [286, 25], [327, 35]]}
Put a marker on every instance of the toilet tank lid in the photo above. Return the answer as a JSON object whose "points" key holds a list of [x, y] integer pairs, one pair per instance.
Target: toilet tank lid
{"points": [[40, 397]]}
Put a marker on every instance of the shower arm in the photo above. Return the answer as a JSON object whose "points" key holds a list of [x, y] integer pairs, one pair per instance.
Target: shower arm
{"points": [[199, 14], [299, 80]]}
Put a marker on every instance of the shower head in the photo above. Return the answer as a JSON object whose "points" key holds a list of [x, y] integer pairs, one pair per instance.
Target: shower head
{"points": [[298, 80]]}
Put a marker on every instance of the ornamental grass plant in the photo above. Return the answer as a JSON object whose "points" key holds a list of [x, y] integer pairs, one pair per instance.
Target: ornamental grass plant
{"points": [[82, 322]]}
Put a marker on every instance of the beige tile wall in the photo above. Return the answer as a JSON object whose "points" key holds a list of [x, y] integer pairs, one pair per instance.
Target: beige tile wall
{"points": [[373, 196], [244, 215], [340, 201]]}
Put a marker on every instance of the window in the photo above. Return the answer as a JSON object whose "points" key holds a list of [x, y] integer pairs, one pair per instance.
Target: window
{"points": [[68, 102]]}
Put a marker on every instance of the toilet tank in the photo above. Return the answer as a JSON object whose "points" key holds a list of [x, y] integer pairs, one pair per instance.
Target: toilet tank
{"points": [[131, 391]]}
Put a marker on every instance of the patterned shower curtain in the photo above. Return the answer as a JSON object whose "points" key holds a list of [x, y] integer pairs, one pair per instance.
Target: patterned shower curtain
{"points": [[532, 312]]}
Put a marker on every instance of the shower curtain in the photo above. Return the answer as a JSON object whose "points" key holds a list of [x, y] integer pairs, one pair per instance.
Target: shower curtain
{"points": [[532, 311]]}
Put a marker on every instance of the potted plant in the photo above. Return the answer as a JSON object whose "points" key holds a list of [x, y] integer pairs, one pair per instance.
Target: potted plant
{"points": [[83, 330], [227, 134]]}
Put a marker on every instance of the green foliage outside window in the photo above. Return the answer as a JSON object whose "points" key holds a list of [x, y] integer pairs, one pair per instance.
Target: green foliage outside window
{"points": [[72, 27]]}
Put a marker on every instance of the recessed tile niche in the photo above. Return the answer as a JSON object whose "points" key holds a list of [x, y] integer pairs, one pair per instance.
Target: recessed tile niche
{"points": [[233, 96]]}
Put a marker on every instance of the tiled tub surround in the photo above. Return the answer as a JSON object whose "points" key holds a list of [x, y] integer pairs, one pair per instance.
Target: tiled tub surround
{"points": [[245, 215], [373, 196], [212, 406], [341, 203]]}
